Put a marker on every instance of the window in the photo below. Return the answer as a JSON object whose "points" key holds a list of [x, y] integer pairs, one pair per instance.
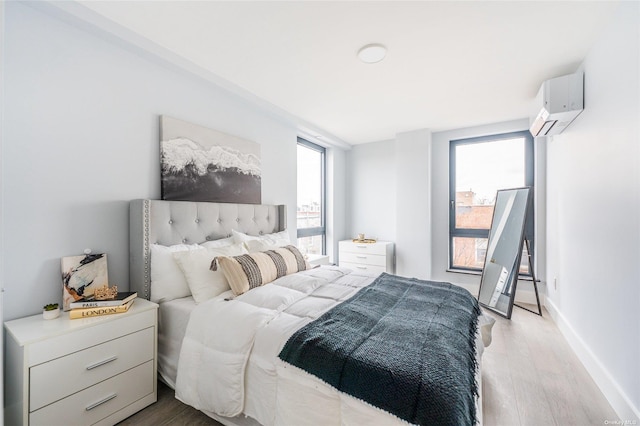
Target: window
{"points": [[311, 197], [478, 168]]}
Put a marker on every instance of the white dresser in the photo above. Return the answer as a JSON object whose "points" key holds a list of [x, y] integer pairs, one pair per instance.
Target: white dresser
{"points": [[375, 257], [87, 371]]}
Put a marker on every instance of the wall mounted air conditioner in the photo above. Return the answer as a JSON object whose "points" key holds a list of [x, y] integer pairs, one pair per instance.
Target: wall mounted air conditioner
{"points": [[562, 100]]}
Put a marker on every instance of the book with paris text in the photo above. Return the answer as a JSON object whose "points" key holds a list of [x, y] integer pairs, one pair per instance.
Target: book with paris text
{"points": [[122, 298], [99, 311]]}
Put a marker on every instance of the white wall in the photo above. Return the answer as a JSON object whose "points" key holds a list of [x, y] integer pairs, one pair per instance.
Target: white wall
{"points": [[2, 246], [81, 139], [336, 197], [388, 197], [371, 190], [594, 217], [413, 201]]}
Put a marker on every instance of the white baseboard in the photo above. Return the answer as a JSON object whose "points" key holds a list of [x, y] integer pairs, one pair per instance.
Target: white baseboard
{"points": [[618, 399]]}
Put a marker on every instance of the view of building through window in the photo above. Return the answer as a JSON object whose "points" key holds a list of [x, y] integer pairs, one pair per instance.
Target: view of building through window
{"points": [[480, 167], [310, 211]]}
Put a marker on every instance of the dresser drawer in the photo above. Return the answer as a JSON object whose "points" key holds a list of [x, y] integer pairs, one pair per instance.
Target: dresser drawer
{"points": [[364, 268], [372, 248], [363, 258], [99, 401], [79, 370], [78, 334]]}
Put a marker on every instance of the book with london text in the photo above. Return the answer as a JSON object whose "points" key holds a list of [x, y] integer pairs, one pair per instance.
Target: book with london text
{"points": [[99, 311], [122, 298]]}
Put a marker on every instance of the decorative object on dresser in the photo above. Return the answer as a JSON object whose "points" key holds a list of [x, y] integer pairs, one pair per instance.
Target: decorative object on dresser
{"points": [[104, 368], [104, 301], [81, 275], [375, 257], [361, 239], [99, 310], [201, 164], [51, 311], [120, 298]]}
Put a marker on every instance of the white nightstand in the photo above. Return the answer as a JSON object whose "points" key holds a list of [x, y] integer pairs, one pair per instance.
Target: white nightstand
{"points": [[96, 370], [375, 257], [318, 259]]}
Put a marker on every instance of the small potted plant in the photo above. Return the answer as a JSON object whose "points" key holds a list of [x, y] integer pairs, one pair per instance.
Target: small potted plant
{"points": [[50, 311]]}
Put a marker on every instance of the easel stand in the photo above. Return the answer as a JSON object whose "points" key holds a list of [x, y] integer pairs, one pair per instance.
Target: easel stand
{"points": [[535, 283]]}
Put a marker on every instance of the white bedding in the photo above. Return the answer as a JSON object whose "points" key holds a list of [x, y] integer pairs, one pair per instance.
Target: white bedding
{"points": [[229, 361], [173, 317]]}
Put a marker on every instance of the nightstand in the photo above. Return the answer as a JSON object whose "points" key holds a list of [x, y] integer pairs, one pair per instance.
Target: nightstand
{"points": [[375, 257], [318, 259], [97, 370]]}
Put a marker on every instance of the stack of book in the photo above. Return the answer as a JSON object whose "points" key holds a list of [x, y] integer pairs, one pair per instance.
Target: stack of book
{"points": [[87, 308]]}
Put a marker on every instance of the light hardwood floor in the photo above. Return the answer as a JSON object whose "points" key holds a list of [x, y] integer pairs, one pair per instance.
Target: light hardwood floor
{"points": [[530, 377]]}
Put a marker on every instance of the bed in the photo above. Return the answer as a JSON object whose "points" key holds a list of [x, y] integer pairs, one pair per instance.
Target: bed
{"points": [[223, 354]]}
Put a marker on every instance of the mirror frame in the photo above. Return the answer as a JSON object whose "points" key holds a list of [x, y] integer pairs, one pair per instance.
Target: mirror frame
{"points": [[512, 279]]}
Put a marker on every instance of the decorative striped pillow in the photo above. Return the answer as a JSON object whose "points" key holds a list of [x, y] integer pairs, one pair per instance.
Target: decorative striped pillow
{"points": [[249, 271]]}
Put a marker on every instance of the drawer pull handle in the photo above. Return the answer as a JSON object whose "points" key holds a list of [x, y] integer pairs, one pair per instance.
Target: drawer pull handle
{"points": [[103, 362], [361, 257], [361, 267], [102, 401], [364, 247]]}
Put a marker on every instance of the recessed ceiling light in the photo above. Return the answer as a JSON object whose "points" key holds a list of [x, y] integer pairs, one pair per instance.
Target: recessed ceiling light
{"points": [[372, 53]]}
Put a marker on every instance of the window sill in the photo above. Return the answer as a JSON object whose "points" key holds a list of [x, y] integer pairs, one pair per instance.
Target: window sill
{"points": [[479, 273]]}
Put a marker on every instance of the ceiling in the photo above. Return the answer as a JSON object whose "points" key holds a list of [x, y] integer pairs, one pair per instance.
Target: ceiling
{"points": [[449, 64]]}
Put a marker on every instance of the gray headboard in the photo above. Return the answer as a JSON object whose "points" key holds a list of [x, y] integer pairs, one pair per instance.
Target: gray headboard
{"points": [[189, 222]]}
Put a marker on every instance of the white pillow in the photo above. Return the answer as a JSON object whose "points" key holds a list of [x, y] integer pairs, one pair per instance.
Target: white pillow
{"points": [[277, 238], [167, 280], [254, 246], [202, 281], [224, 242]]}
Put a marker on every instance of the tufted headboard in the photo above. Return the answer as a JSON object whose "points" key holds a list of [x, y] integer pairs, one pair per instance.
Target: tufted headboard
{"points": [[189, 222]]}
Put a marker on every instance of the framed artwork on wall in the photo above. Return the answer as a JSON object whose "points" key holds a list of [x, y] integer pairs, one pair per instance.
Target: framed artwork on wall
{"points": [[81, 275], [201, 164]]}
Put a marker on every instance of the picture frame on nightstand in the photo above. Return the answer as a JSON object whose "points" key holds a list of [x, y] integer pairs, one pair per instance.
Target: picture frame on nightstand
{"points": [[81, 275]]}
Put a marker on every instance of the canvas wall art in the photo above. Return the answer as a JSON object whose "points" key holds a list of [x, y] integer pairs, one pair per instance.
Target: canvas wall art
{"points": [[201, 164], [81, 275]]}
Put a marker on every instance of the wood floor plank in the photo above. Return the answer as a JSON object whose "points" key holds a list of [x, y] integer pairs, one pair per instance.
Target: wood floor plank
{"points": [[168, 411], [501, 409]]}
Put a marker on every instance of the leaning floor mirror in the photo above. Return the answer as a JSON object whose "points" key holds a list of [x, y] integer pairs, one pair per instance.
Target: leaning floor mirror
{"points": [[504, 250]]}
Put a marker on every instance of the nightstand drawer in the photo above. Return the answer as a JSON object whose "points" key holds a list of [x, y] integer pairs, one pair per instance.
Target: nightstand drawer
{"points": [[364, 268], [90, 332], [79, 370], [97, 402], [363, 258], [373, 248]]}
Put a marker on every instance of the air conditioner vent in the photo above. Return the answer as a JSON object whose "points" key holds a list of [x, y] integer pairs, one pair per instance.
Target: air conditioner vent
{"points": [[562, 100]]}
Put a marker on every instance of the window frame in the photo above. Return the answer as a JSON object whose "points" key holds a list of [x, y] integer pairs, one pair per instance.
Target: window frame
{"points": [[529, 177], [322, 229]]}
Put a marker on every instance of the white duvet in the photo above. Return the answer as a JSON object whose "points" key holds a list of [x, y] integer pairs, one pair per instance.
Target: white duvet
{"points": [[229, 361]]}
